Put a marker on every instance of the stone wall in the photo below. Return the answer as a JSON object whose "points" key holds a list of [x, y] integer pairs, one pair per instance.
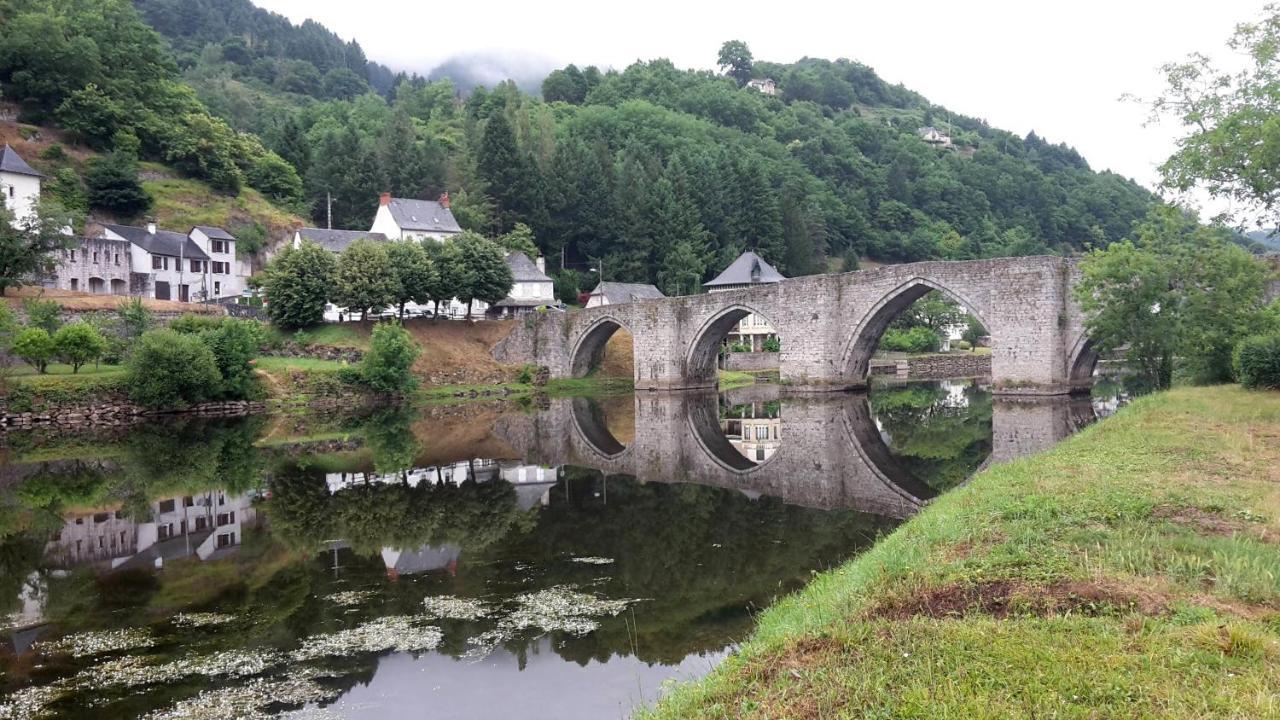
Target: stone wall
{"points": [[292, 349], [751, 362], [96, 266], [829, 326], [950, 365]]}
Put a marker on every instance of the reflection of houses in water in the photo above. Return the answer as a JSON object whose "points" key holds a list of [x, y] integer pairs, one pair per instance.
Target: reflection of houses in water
{"points": [[206, 525], [753, 429], [423, 560], [532, 482]]}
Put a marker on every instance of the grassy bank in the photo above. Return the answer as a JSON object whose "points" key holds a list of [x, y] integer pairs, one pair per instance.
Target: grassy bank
{"points": [[1132, 571]]}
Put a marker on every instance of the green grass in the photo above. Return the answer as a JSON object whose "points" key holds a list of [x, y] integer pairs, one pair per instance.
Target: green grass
{"points": [[1130, 572], [730, 379], [59, 369], [284, 364], [333, 334]]}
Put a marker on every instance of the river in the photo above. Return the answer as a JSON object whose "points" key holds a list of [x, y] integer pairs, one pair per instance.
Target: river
{"points": [[559, 559]]}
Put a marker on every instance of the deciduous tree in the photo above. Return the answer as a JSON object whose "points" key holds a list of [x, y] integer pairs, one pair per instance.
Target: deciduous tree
{"points": [[364, 278], [297, 284]]}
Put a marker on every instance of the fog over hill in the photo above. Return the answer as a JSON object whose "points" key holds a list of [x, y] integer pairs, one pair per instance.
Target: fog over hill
{"points": [[490, 67]]}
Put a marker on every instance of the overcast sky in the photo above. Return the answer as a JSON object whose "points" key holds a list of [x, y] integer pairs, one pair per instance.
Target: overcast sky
{"points": [[1058, 69]]}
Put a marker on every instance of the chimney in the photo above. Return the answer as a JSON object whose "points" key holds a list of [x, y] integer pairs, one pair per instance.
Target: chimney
{"points": [[384, 198], [151, 226], [444, 199], [542, 264]]}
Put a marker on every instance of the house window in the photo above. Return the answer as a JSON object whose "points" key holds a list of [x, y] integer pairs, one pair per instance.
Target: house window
{"points": [[117, 258], [75, 283], [164, 532], [226, 540], [166, 506], [188, 501], [219, 246], [166, 263], [217, 289], [73, 256], [201, 523], [101, 517], [95, 258], [156, 262], [195, 266]]}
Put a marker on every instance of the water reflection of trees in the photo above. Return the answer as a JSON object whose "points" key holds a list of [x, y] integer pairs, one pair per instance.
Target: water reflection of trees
{"points": [[940, 433]]}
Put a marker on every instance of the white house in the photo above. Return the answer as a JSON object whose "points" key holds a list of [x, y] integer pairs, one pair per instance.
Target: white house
{"points": [[19, 184], [531, 290], [748, 270], [617, 293], [167, 265], [934, 136], [763, 85], [227, 277], [404, 219], [335, 241]]}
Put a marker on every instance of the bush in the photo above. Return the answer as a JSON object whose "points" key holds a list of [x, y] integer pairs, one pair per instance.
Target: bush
{"points": [[739, 347], [962, 345], [171, 370], [772, 344], [113, 185], [192, 324], [526, 375], [78, 343], [1257, 362], [918, 339], [135, 317], [43, 314], [297, 283], [387, 367], [235, 344], [34, 346]]}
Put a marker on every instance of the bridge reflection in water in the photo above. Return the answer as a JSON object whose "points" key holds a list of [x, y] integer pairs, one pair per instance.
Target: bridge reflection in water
{"points": [[830, 451]]}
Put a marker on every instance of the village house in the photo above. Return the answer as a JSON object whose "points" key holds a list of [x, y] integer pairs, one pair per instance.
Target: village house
{"points": [[748, 270], [404, 219], [934, 136], [532, 288], [618, 293], [763, 85], [335, 241], [167, 265], [19, 184]]}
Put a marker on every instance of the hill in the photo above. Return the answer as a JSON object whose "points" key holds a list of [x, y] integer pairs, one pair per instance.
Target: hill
{"points": [[662, 174], [1269, 239]]}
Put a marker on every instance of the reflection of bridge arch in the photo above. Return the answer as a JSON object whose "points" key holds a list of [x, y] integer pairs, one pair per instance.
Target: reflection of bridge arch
{"points": [[862, 343], [703, 421], [588, 351], [700, 363], [870, 446], [591, 428]]}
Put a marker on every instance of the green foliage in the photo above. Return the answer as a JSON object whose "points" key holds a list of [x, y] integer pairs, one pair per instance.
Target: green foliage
{"points": [[297, 283], [135, 317], [771, 344], [1228, 116], [486, 276], [735, 60], [1257, 362], [28, 247], [78, 343], [276, 179], [365, 278], [168, 369], [415, 275], [193, 324], [520, 239], [43, 314], [568, 285], [113, 185], [918, 339], [234, 344], [34, 346], [1178, 290], [388, 365], [92, 115], [973, 331], [934, 311], [65, 185]]}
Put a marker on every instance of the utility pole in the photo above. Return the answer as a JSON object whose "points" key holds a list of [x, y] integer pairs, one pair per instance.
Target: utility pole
{"points": [[328, 203]]}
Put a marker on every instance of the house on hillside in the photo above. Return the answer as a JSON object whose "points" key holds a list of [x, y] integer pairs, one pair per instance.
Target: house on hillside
{"points": [[174, 266], [747, 271], [19, 184], [404, 219], [532, 288], [618, 293], [934, 136], [763, 85], [335, 241]]}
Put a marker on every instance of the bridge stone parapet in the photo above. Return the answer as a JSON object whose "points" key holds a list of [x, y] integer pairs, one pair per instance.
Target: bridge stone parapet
{"points": [[829, 326]]}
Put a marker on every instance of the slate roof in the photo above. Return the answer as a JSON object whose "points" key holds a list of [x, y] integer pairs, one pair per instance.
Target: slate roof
{"points": [[524, 269], [748, 269], [423, 216], [12, 162], [215, 233], [620, 292], [163, 242], [338, 240]]}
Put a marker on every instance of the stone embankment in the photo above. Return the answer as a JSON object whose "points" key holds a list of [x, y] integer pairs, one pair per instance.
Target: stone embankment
{"points": [[934, 367], [292, 349]]}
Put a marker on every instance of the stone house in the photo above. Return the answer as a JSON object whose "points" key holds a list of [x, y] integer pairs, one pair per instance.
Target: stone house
{"points": [[97, 265], [405, 219], [748, 270], [617, 293]]}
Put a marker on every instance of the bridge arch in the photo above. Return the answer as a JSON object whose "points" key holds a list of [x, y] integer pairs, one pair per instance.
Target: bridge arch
{"points": [[592, 429], [1081, 363], [588, 351], [700, 362], [862, 343], [703, 418]]}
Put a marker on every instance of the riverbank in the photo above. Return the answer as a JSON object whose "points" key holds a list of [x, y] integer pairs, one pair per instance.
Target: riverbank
{"points": [[1131, 571]]}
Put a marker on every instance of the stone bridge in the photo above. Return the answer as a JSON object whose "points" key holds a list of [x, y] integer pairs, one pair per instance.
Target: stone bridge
{"points": [[829, 326], [831, 453]]}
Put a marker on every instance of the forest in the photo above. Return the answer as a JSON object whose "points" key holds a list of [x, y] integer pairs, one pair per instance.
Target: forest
{"points": [[664, 174]]}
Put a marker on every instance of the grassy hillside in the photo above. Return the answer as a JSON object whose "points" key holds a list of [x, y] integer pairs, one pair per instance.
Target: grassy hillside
{"points": [[1130, 572]]}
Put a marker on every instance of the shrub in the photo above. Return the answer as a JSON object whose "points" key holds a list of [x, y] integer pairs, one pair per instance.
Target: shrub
{"points": [[78, 343], [135, 317], [772, 344], [113, 185], [192, 324], [527, 372], [739, 347], [1257, 362], [234, 343], [962, 345], [43, 314], [918, 339], [171, 370], [34, 346], [387, 367]]}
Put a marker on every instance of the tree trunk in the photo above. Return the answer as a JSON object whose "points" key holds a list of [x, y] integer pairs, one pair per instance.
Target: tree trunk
{"points": [[402, 312], [468, 309]]}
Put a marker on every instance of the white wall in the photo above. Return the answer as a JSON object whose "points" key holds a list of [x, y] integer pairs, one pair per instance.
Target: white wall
{"points": [[230, 283], [534, 291], [21, 194]]}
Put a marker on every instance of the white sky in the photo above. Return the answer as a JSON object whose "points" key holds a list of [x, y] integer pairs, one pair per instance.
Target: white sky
{"points": [[1059, 68]]}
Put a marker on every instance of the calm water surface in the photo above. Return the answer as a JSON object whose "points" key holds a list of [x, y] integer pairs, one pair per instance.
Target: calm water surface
{"points": [[475, 562]]}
